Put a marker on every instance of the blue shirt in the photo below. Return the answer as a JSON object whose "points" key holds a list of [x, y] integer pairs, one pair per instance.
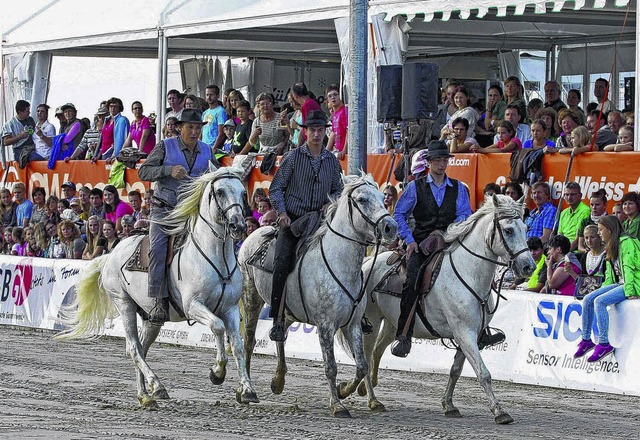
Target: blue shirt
{"points": [[407, 203], [541, 219], [213, 118], [23, 211]]}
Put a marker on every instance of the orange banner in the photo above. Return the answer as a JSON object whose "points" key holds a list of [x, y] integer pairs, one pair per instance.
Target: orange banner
{"points": [[617, 173]]}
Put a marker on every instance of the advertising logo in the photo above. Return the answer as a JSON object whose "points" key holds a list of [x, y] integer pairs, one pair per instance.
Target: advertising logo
{"points": [[22, 281]]}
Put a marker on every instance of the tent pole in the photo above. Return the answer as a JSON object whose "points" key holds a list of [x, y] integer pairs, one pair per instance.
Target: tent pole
{"points": [[160, 113], [357, 134], [165, 52], [636, 133]]}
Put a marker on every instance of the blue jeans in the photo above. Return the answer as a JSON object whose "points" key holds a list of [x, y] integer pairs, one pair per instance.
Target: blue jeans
{"points": [[597, 301]]}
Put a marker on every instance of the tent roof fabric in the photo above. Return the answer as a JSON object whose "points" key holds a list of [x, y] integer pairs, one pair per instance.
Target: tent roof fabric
{"points": [[305, 30]]}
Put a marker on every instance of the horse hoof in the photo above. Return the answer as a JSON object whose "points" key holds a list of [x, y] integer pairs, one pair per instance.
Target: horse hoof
{"points": [[161, 394], [246, 397], [377, 407], [504, 419], [215, 379], [362, 389], [342, 413], [340, 389], [453, 413], [277, 386], [147, 402]]}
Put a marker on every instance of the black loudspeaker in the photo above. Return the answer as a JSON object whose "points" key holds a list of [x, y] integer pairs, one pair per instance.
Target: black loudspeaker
{"points": [[420, 91], [389, 93], [629, 92]]}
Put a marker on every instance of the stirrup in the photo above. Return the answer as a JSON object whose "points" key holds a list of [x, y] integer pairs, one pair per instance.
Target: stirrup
{"points": [[278, 332], [367, 327], [488, 340], [159, 314]]}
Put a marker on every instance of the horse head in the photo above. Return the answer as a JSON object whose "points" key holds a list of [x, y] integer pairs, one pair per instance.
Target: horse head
{"points": [[226, 195], [367, 210], [508, 237]]}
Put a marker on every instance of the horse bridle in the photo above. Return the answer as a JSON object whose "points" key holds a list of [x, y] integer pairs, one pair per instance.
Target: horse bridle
{"points": [[353, 204], [224, 278]]}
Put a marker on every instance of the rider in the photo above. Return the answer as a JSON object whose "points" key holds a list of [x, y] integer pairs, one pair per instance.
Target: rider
{"points": [[435, 201], [171, 164], [307, 176]]}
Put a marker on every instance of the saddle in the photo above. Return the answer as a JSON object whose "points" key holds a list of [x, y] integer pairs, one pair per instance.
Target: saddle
{"points": [[264, 256], [139, 260]]}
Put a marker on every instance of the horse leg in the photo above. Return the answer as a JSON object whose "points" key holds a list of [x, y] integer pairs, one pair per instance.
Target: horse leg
{"points": [[252, 304], [384, 337], [204, 316], [135, 351], [148, 334], [362, 371], [244, 394], [277, 382], [326, 335], [447, 401], [468, 344]]}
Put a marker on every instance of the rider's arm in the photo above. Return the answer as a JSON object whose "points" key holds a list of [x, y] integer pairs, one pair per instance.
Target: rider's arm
{"points": [[404, 209], [336, 180], [153, 169], [463, 206]]}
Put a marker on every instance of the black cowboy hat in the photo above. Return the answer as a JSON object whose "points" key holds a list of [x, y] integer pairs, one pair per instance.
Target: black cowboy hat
{"points": [[437, 149], [316, 118], [191, 115]]}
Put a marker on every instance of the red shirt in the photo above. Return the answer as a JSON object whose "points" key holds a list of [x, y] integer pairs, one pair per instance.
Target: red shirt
{"points": [[309, 105]]}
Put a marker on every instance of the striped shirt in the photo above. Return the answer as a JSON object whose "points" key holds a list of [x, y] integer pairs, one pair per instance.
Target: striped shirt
{"points": [[303, 183]]}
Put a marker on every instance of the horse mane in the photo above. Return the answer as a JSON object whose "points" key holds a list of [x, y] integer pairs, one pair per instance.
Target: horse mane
{"points": [[351, 185], [182, 219], [507, 207]]}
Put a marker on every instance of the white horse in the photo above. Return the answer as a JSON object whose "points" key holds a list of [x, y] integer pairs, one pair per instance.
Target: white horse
{"points": [[326, 287], [460, 304], [202, 278]]}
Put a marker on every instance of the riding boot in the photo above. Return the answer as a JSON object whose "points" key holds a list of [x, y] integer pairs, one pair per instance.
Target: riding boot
{"points": [[283, 264], [408, 303], [366, 326], [159, 314]]}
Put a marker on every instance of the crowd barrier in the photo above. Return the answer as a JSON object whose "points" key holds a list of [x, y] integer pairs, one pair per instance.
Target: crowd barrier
{"points": [[617, 173], [542, 332]]}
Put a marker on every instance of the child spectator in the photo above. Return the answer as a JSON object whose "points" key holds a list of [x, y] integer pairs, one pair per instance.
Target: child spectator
{"points": [[8, 208], [458, 140], [128, 222], [538, 278], [558, 255], [507, 140], [538, 139], [41, 237], [229, 128], [252, 225], [256, 197], [32, 249], [170, 127], [490, 189], [19, 243], [264, 206], [94, 232], [630, 206], [592, 261], [63, 205], [240, 144], [70, 243], [54, 249], [625, 140], [52, 208], [580, 139], [7, 243], [622, 281], [114, 208], [109, 238]]}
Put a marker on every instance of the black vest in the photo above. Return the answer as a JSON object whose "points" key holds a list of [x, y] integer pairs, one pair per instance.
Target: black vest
{"points": [[428, 215]]}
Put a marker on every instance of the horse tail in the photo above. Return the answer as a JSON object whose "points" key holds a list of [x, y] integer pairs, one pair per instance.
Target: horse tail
{"points": [[344, 344], [87, 313]]}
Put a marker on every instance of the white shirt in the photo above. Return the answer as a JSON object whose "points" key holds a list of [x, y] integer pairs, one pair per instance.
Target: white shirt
{"points": [[49, 131]]}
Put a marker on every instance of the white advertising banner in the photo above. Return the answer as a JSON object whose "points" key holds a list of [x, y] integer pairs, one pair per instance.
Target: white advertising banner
{"points": [[542, 331]]}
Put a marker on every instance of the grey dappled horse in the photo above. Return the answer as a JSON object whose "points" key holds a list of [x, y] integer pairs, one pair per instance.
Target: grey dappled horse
{"points": [[325, 288], [459, 305], [203, 278]]}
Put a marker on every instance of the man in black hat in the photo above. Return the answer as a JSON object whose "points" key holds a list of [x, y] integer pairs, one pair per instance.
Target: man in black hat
{"points": [[171, 164], [435, 201], [307, 176]]}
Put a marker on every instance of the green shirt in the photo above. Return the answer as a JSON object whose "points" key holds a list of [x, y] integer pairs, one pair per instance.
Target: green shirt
{"points": [[632, 227], [571, 220], [533, 281]]}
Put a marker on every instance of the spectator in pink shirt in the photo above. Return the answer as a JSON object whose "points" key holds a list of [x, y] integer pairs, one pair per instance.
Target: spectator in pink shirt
{"points": [[114, 208], [140, 131], [339, 122]]}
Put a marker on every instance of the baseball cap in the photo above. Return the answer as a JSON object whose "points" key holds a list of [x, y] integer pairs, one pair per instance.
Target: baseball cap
{"points": [[229, 123], [67, 105], [69, 184], [59, 111], [74, 202]]}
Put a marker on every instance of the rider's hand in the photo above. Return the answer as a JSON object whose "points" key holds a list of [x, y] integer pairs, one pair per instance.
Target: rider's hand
{"points": [[283, 220], [178, 172], [411, 248]]}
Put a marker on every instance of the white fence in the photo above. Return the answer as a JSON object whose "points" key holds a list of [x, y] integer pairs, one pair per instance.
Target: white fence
{"points": [[542, 332]]}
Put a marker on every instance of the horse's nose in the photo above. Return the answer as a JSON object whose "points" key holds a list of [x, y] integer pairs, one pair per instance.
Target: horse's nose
{"points": [[528, 270], [389, 228]]}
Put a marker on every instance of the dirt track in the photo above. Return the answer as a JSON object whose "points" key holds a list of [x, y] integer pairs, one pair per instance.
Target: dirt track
{"points": [[53, 390]]}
